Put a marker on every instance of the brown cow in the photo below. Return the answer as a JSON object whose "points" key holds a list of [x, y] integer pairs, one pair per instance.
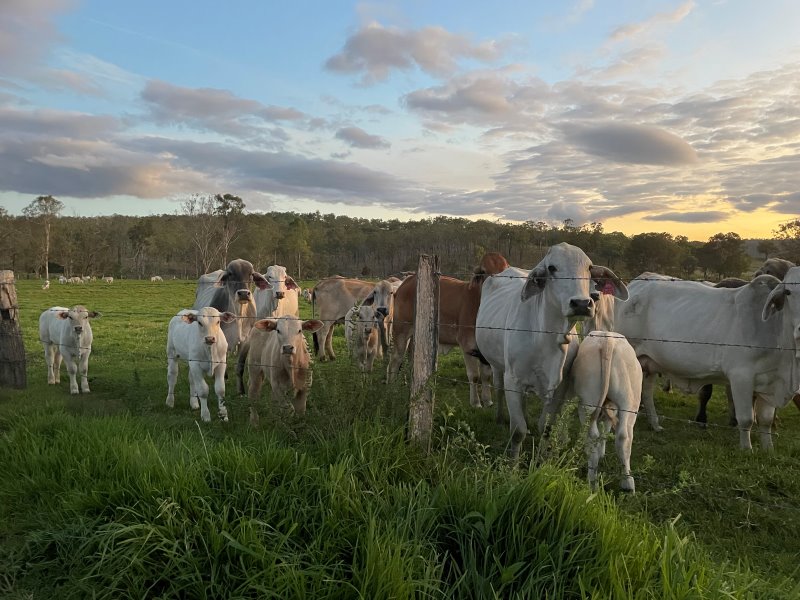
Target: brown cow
{"points": [[458, 308]]}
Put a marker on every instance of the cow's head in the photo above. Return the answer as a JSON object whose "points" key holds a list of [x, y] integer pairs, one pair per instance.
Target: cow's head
{"points": [[381, 298], [366, 318], [78, 317], [279, 282], [290, 333], [209, 321], [777, 267], [570, 280], [785, 297], [491, 264]]}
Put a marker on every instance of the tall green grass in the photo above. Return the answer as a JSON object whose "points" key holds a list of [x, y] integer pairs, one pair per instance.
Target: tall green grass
{"points": [[113, 495]]}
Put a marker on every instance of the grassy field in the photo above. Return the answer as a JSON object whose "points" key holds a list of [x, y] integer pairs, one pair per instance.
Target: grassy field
{"points": [[113, 495]]}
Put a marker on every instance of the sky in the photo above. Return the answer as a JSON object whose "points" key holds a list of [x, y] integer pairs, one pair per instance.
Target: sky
{"points": [[645, 115]]}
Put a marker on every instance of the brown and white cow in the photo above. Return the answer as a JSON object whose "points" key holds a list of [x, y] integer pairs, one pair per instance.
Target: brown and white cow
{"points": [[279, 353], [458, 307], [362, 332]]}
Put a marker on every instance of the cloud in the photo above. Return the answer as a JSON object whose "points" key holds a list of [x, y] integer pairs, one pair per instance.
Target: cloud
{"points": [[708, 216], [374, 51], [211, 109], [629, 143], [632, 30], [358, 138]]}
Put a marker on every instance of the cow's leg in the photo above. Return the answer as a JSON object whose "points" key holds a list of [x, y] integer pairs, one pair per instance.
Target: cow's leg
{"points": [[486, 384], [517, 425], [84, 370], [742, 388], [49, 359], [586, 413], [370, 360], [703, 396], [499, 394], [731, 407], [241, 361], [765, 413], [623, 440], [57, 358], [200, 390], [396, 354], [321, 340], [648, 388], [194, 403], [329, 343], [72, 370], [474, 378], [299, 401], [256, 380], [172, 378], [219, 390]]}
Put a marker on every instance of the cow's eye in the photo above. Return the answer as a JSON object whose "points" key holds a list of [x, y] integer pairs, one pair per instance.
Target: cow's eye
{"points": [[552, 269]]}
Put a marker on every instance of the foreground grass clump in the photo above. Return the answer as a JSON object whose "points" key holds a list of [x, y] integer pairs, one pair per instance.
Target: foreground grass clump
{"points": [[108, 508]]}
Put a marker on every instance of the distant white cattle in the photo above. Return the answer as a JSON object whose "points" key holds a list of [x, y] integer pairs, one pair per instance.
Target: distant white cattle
{"points": [[108, 279], [525, 328], [279, 353], [306, 294], [66, 334], [607, 377], [156, 278], [196, 337], [62, 279], [362, 332], [46, 284]]}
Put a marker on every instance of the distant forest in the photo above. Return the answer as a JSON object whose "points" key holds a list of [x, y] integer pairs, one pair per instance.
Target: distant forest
{"points": [[208, 231]]}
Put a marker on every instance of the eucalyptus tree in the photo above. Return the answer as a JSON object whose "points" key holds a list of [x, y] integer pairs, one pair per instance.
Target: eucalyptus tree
{"points": [[44, 210]]}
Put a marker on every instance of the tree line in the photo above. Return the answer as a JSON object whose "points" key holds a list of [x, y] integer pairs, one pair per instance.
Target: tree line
{"points": [[209, 230]]}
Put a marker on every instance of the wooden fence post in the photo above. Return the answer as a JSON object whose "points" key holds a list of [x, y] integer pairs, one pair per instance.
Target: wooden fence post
{"points": [[424, 346], [12, 348]]}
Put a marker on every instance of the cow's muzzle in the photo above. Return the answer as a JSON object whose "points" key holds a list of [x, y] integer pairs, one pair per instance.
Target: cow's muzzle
{"points": [[280, 295], [287, 349], [383, 311], [210, 339], [581, 307], [78, 330], [243, 296]]}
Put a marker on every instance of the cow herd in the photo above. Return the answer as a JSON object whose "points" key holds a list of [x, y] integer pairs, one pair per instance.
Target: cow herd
{"points": [[520, 331]]}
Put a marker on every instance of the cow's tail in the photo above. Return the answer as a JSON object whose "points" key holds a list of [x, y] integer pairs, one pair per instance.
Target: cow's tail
{"points": [[606, 356]]}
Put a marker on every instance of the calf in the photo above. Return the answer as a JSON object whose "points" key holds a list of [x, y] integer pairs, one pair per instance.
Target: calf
{"points": [[66, 333], [361, 330], [279, 352], [607, 377], [196, 336], [156, 278]]}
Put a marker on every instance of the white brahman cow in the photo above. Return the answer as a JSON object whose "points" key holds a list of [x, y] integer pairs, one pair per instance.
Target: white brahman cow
{"points": [[196, 336], [607, 377], [525, 328], [66, 334]]}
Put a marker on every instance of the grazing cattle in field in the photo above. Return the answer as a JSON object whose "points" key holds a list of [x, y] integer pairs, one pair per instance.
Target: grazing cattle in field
{"points": [[46, 284], [108, 279], [196, 337], [331, 299], [362, 332], [279, 353], [777, 267], [306, 294], [156, 278], [66, 334], [607, 377], [744, 337], [526, 328], [62, 279], [458, 309], [228, 290]]}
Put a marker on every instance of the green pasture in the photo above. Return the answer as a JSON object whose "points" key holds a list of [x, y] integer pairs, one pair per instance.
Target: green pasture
{"points": [[114, 495]]}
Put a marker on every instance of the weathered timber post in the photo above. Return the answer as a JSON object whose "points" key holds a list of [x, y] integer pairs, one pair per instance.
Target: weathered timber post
{"points": [[12, 349], [424, 346]]}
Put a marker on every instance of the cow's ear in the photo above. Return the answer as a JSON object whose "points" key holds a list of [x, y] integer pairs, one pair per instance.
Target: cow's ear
{"points": [[605, 280], [369, 300], [312, 325], [266, 324], [62, 314], [227, 317], [189, 317], [775, 301], [535, 283], [291, 284], [93, 314], [261, 281]]}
